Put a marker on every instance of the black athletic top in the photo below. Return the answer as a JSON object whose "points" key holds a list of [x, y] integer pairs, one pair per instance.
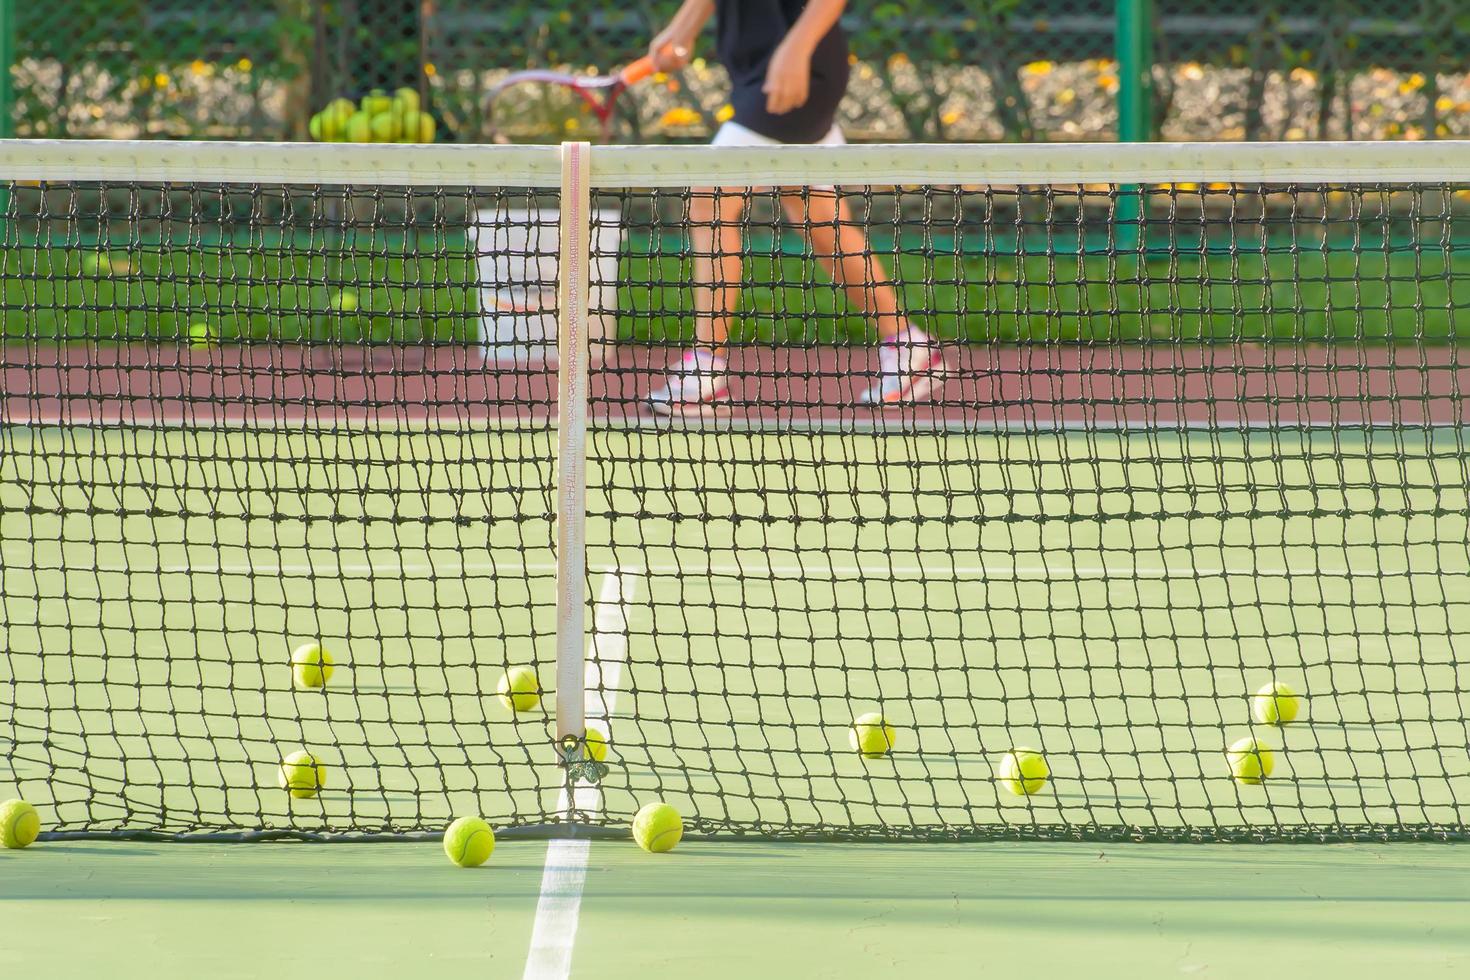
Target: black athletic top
{"points": [[748, 33]]}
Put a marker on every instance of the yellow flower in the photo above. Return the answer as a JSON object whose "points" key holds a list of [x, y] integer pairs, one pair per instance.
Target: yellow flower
{"points": [[1411, 84], [161, 80], [1108, 83], [1305, 75], [429, 69], [725, 114], [660, 77], [1038, 68], [1066, 96], [1192, 71], [198, 67], [679, 115], [897, 59], [950, 118], [244, 64], [698, 64], [1444, 103]]}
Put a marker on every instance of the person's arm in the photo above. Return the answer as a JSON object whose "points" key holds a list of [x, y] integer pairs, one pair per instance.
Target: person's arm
{"points": [[789, 76], [670, 50]]}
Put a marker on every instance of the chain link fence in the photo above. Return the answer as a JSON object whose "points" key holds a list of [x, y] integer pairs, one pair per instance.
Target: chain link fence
{"points": [[923, 69]]}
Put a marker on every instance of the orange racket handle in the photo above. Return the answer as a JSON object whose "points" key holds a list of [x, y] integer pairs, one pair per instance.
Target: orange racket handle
{"points": [[637, 71]]}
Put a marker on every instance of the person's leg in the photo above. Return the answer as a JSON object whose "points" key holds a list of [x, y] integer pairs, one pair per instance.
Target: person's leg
{"points": [[714, 234], [909, 362], [842, 247]]}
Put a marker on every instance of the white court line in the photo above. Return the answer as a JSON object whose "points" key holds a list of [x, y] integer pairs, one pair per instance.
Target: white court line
{"points": [[555, 931]]}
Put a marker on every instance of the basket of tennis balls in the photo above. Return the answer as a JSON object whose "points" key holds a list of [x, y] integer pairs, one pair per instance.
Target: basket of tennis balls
{"points": [[380, 118]]}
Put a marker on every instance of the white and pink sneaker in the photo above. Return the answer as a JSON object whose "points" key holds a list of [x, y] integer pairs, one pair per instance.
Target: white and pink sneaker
{"points": [[910, 364], [698, 383]]}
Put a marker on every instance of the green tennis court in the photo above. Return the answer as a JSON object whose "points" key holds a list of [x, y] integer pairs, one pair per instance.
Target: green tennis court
{"points": [[727, 908]]}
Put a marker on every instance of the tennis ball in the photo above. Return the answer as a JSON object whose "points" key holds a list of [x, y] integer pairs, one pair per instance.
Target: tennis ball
{"points": [[417, 127], [1276, 704], [1024, 771], [657, 827], [335, 118], [386, 127], [519, 689], [311, 666], [469, 842], [317, 128], [871, 736], [376, 102], [19, 824], [1251, 761], [344, 301], [596, 742], [302, 774], [200, 335], [359, 128], [408, 98]]}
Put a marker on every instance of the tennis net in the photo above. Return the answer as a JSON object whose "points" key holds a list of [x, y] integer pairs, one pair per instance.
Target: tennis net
{"points": [[1198, 428]]}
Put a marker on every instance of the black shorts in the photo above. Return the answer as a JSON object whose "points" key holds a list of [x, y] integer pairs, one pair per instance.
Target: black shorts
{"points": [[749, 32]]}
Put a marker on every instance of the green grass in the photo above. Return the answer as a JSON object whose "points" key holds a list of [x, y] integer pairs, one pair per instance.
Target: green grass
{"points": [[414, 290]]}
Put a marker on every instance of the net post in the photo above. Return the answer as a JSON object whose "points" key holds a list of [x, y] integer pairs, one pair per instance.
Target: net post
{"points": [[1134, 49], [574, 265]]}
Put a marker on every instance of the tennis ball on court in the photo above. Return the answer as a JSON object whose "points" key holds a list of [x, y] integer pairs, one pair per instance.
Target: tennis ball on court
{"points": [[1276, 704], [19, 824], [302, 774], [1251, 761], [344, 301], [469, 841], [376, 102], [519, 689], [657, 827], [871, 736], [359, 128], [311, 666], [200, 335], [1024, 771], [596, 744], [407, 98]]}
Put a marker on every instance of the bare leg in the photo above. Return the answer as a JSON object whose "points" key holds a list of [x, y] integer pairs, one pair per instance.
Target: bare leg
{"points": [[714, 216], [843, 249]]}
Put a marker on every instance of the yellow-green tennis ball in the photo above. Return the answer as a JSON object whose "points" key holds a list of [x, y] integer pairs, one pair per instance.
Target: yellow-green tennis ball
{"points": [[1024, 771], [200, 335], [657, 828], [469, 842], [387, 127], [359, 128], [377, 101], [335, 118], [1251, 761], [317, 127], [519, 689], [302, 774], [596, 742], [871, 736], [311, 665], [1276, 704], [426, 128], [408, 98], [19, 824], [345, 301], [417, 127]]}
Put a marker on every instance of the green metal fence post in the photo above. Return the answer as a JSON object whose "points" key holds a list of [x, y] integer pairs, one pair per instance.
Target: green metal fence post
{"points": [[1135, 49]]}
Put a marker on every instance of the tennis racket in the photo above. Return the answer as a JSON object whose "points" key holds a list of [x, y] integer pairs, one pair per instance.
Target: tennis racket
{"points": [[576, 105]]}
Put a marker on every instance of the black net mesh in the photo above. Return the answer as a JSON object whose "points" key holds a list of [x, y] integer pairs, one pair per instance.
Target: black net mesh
{"points": [[1166, 463]]}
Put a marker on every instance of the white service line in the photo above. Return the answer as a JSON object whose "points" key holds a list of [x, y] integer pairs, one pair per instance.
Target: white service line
{"points": [[555, 931]]}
